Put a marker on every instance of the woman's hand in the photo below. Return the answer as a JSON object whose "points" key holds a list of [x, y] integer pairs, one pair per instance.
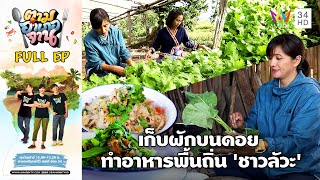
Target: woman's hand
{"points": [[204, 47], [236, 120], [129, 62], [119, 70], [262, 146], [116, 69], [148, 54]]}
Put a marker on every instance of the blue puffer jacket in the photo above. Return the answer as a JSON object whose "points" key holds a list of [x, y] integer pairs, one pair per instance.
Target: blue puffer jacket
{"points": [[289, 119]]}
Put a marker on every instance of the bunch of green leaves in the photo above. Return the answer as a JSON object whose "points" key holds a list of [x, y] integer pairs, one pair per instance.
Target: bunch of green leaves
{"points": [[247, 31], [135, 94], [95, 80], [249, 27], [201, 111], [172, 74], [118, 109], [98, 145], [133, 97]]}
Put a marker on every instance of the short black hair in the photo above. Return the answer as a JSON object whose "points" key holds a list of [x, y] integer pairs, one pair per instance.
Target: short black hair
{"points": [[42, 86], [97, 16], [29, 85], [172, 16], [54, 85]]}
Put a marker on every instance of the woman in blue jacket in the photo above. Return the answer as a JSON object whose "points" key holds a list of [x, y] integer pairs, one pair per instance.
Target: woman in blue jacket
{"points": [[286, 112]]}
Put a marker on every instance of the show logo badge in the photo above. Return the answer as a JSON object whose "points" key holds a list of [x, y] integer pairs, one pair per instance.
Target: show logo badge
{"points": [[280, 16], [302, 17], [40, 27]]}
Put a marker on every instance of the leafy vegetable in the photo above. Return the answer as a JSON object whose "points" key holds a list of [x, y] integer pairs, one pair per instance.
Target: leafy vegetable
{"points": [[198, 114], [201, 111], [134, 96], [100, 145], [247, 30], [249, 27], [94, 152], [143, 122]]}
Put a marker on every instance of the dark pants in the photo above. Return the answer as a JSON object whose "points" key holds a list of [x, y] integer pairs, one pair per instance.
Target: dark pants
{"points": [[26, 127], [58, 121], [233, 169]]}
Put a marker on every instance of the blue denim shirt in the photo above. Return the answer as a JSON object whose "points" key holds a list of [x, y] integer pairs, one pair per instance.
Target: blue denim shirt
{"points": [[289, 119], [110, 50]]}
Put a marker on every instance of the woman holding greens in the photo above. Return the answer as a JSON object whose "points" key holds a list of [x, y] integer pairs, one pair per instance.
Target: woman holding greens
{"points": [[287, 114]]}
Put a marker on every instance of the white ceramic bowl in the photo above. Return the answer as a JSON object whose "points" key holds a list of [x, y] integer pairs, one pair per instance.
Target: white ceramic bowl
{"points": [[158, 99]]}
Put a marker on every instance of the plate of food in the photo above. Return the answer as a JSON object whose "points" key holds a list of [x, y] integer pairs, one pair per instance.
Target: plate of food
{"points": [[135, 106]]}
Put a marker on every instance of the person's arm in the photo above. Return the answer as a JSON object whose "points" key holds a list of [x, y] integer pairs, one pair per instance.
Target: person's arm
{"points": [[236, 120], [35, 102], [42, 105], [155, 46], [117, 69], [49, 108], [204, 47], [47, 105], [186, 41], [92, 56], [304, 130], [129, 61], [51, 111], [38, 105], [29, 105], [66, 107], [190, 44], [18, 95]]}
